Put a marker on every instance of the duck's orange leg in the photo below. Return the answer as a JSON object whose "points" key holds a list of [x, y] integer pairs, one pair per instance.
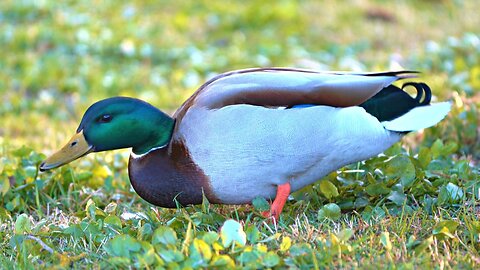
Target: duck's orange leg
{"points": [[283, 191]]}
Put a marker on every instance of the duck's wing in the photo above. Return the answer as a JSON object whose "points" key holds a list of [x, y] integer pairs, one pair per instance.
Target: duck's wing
{"points": [[289, 87]]}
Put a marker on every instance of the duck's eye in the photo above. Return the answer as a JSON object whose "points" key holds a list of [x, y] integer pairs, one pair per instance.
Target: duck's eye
{"points": [[105, 118]]}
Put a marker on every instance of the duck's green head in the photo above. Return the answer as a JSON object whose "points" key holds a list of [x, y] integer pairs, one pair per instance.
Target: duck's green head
{"points": [[115, 123]]}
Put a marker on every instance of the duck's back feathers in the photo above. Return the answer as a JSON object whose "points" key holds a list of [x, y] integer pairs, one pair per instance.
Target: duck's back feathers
{"points": [[283, 87]]}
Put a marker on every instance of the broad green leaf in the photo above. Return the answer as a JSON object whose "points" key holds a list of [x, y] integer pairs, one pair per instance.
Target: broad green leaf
{"points": [[401, 167], [164, 235], [122, 245], [436, 165], [397, 197], [75, 231], [210, 237], [148, 256], [445, 228], [113, 221], [449, 148], [450, 193], [201, 250], [146, 231], [95, 230], [224, 261], [231, 233], [253, 234], [455, 192], [328, 189], [396, 149], [346, 203], [23, 224], [424, 157], [463, 169], [331, 211], [377, 189], [261, 204], [301, 249], [271, 259], [119, 262], [361, 202], [251, 258], [170, 255]]}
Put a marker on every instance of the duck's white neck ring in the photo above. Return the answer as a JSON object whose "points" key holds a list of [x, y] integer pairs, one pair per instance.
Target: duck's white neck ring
{"points": [[135, 156]]}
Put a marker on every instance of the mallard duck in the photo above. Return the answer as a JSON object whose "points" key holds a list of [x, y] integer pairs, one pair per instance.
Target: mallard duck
{"points": [[262, 132]]}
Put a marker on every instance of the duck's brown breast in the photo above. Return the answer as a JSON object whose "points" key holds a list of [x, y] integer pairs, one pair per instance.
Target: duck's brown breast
{"points": [[168, 176]]}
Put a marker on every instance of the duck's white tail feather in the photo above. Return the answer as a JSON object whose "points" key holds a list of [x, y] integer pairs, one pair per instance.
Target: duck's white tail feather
{"points": [[419, 117]]}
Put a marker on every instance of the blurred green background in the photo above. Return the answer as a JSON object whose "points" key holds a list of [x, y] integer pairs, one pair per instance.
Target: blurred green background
{"points": [[58, 57]]}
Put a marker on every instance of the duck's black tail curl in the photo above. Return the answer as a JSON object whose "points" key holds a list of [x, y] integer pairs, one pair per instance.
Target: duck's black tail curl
{"points": [[392, 102], [421, 88]]}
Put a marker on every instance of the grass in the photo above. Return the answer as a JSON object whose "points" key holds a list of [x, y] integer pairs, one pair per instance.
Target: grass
{"points": [[416, 206]]}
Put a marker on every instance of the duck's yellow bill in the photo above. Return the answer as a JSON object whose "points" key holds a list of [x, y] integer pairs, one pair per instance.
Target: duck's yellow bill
{"points": [[76, 147]]}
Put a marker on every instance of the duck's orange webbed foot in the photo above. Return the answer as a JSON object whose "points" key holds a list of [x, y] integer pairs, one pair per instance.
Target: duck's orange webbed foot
{"points": [[283, 191]]}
